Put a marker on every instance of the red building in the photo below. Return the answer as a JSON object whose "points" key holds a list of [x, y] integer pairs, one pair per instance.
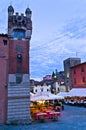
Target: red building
{"points": [[4, 55], [47, 77], [79, 75], [14, 68]]}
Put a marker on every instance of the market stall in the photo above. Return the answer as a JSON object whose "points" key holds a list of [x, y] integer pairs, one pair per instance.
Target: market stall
{"points": [[43, 107], [76, 97]]}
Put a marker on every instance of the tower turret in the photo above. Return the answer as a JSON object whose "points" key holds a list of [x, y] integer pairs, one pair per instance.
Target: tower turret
{"points": [[28, 13], [10, 10]]}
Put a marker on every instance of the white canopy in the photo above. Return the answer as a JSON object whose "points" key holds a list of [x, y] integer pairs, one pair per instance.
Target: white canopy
{"points": [[39, 98], [81, 92], [45, 96], [53, 96], [64, 94]]}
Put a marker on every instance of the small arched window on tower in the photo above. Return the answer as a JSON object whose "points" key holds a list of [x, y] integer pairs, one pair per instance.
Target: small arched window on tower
{"points": [[19, 58]]}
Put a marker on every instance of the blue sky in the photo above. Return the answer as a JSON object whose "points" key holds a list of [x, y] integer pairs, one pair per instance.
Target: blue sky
{"points": [[59, 32]]}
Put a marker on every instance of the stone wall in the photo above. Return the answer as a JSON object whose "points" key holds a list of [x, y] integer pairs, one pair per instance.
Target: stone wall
{"points": [[18, 104]]}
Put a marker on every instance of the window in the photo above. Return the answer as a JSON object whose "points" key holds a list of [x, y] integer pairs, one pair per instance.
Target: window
{"points": [[19, 34], [19, 58], [41, 89], [74, 80], [5, 42], [74, 71], [58, 90], [82, 69], [47, 90], [83, 79], [36, 90], [29, 33], [68, 75]]}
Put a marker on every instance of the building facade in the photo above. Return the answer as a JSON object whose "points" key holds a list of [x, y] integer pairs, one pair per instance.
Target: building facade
{"points": [[16, 50], [68, 63], [42, 89], [79, 76], [47, 77], [4, 57]]}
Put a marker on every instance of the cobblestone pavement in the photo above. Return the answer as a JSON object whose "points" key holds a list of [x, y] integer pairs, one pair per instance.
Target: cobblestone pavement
{"points": [[73, 118]]}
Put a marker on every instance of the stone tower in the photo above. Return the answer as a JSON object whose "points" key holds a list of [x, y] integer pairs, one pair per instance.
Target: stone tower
{"points": [[68, 63], [19, 34]]}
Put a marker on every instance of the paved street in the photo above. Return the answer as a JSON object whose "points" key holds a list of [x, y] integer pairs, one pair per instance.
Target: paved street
{"points": [[73, 118]]}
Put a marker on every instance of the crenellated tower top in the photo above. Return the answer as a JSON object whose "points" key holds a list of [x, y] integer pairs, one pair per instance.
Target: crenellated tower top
{"points": [[19, 23]]}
